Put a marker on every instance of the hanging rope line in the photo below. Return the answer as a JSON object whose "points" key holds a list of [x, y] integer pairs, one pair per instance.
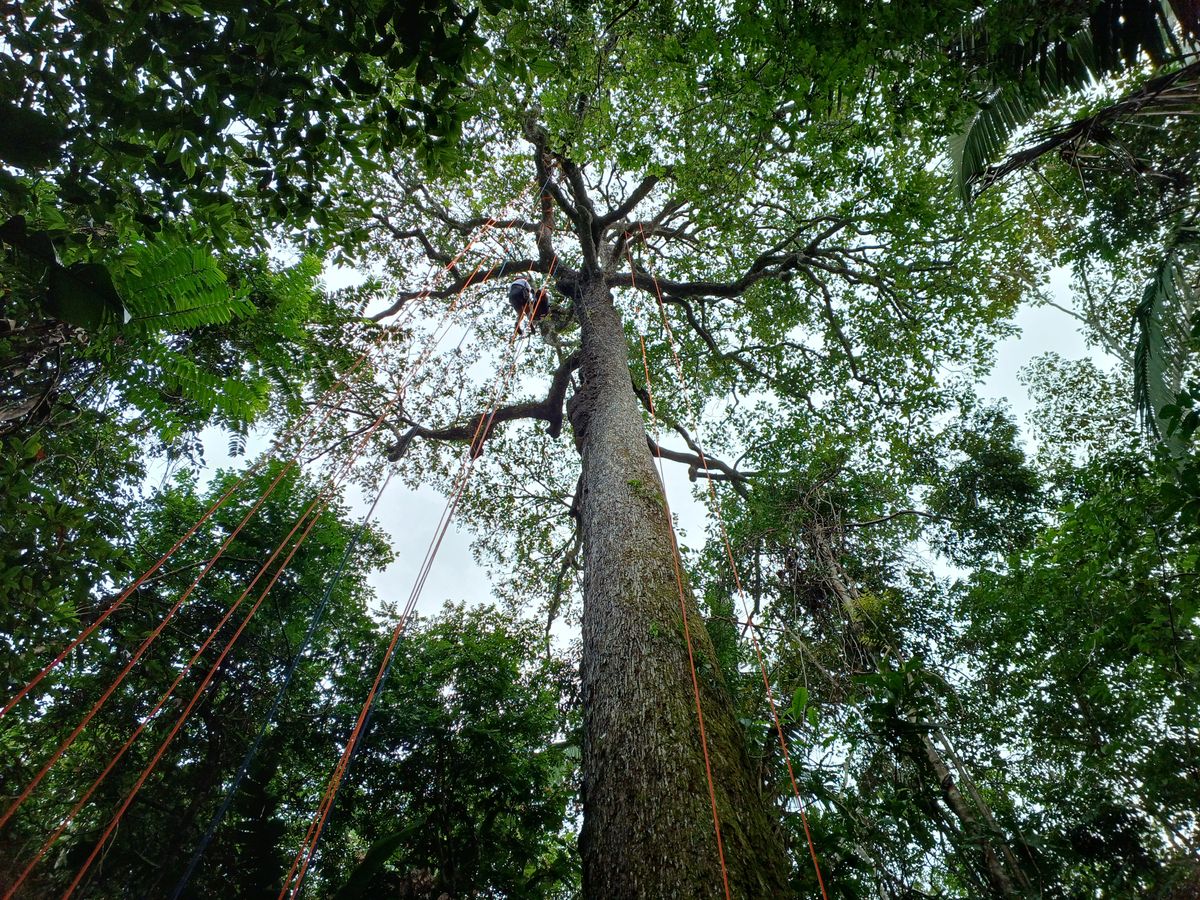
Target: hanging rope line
{"points": [[322, 499], [217, 504], [301, 651], [162, 748], [208, 566], [300, 864], [430, 345], [318, 504], [715, 504], [262, 461], [687, 634], [149, 639], [303, 859]]}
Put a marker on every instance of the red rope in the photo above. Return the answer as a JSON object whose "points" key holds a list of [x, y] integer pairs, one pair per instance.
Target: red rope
{"points": [[687, 634], [170, 614], [303, 859], [145, 645], [291, 432], [430, 344], [116, 604], [158, 754], [331, 484], [737, 580]]}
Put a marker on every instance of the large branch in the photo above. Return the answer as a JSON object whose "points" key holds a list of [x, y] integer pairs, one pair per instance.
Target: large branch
{"points": [[462, 283], [469, 226], [581, 212], [774, 262], [712, 469], [698, 462], [631, 202], [480, 427]]}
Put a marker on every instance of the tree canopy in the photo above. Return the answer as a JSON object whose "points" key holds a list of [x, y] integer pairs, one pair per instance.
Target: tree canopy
{"points": [[926, 642]]}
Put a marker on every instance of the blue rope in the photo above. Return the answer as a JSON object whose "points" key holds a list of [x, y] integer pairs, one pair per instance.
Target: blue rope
{"points": [[248, 759]]}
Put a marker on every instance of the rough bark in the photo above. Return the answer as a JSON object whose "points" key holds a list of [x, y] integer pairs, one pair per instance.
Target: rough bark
{"points": [[648, 827]]}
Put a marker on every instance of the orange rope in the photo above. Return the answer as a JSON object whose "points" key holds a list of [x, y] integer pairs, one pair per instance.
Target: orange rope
{"points": [[291, 432], [687, 634], [429, 346], [144, 646], [303, 859], [737, 580], [170, 614], [331, 484], [158, 754], [116, 604], [304, 856]]}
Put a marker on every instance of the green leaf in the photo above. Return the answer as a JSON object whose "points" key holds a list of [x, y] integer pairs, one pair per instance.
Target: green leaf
{"points": [[799, 702], [29, 139], [83, 295], [36, 244]]}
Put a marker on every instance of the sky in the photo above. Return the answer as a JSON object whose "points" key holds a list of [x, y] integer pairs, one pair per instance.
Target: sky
{"points": [[410, 517]]}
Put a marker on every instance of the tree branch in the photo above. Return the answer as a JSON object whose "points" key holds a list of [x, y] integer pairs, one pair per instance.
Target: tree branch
{"points": [[461, 284], [895, 515], [631, 202], [698, 462], [480, 427]]}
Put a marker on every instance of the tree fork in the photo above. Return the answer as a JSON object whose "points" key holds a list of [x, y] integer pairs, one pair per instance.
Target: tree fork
{"points": [[648, 826]]}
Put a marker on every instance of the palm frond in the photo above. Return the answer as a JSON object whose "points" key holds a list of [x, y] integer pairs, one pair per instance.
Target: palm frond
{"points": [[1022, 77], [1162, 325]]}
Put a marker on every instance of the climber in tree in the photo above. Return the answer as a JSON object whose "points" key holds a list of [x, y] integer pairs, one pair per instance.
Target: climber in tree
{"points": [[534, 307]]}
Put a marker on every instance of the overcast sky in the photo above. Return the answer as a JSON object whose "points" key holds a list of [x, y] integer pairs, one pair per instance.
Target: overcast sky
{"points": [[409, 517]]}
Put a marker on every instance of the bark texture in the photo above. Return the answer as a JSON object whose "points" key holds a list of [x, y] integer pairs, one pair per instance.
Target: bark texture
{"points": [[648, 826]]}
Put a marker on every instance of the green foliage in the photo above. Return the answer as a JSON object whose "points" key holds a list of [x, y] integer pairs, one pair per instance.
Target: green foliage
{"points": [[1164, 321], [472, 753], [468, 748], [988, 498], [138, 114], [1085, 647], [1026, 55], [1054, 680]]}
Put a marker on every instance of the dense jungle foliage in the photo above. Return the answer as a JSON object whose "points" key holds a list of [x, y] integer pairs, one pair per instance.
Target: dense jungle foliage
{"points": [[974, 620]]}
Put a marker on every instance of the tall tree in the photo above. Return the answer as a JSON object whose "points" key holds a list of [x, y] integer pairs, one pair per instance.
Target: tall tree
{"points": [[788, 250]]}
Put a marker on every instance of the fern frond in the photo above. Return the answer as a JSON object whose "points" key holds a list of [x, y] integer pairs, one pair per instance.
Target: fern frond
{"points": [[237, 439], [232, 399], [171, 286]]}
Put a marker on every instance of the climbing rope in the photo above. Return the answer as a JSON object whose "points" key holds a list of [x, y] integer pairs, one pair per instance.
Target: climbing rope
{"points": [[292, 432], [269, 719], [687, 634], [141, 579], [424, 357], [294, 880], [216, 505], [715, 504], [208, 566], [318, 504]]}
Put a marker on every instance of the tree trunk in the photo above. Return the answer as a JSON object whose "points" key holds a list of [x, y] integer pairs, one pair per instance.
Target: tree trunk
{"points": [[648, 825], [998, 876]]}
